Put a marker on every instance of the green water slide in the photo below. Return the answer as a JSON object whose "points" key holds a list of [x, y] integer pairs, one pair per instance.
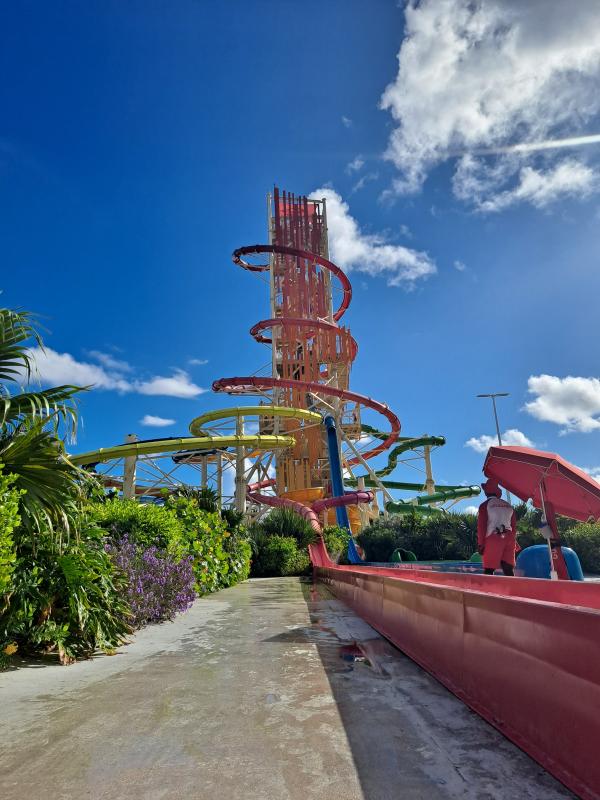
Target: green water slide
{"points": [[420, 503]]}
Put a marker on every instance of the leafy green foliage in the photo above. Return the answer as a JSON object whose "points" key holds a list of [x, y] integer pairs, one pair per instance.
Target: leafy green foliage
{"points": [[336, 541], [9, 520], [444, 536], [145, 524], [202, 535], [70, 604], [221, 556], [206, 497], [279, 543], [30, 424], [278, 555], [585, 540], [286, 522]]}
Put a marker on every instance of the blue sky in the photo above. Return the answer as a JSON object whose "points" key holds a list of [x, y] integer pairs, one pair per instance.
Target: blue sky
{"points": [[138, 142]]}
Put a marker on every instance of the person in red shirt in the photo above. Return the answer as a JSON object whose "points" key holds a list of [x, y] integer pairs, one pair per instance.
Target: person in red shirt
{"points": [[496, 531]]}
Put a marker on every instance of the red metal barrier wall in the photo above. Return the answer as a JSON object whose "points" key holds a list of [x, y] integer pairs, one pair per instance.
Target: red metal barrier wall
{"points": [[528, 666]]}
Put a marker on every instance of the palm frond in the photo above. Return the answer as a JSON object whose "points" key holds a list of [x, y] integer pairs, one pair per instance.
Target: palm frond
{"points": [[49, 404], [34, 455], [16, 328]]}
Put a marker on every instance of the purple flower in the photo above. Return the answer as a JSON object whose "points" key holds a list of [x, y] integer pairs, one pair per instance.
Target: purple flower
{"points": [[158, 586]]}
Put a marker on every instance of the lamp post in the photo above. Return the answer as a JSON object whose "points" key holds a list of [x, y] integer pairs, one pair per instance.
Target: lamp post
{"points": [[493, 396]]}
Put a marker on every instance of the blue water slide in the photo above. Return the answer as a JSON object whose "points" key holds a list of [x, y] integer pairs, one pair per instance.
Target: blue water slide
{"points": [[335, 466]]}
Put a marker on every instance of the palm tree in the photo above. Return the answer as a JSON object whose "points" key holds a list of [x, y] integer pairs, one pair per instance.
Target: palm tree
{"points": [[31, 427]]}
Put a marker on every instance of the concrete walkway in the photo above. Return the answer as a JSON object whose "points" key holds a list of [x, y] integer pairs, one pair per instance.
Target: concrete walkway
{"points": [[270, 690]]}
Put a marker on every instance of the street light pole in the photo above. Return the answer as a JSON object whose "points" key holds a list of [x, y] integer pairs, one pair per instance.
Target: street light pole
{"points": [[496, 418], [493, 397]]}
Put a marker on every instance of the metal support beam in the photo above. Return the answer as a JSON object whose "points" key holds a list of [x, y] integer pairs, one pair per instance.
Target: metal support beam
{"points": [[129, 470], [240, 470]]}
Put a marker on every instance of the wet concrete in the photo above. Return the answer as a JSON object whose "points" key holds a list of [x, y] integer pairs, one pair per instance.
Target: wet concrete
{"points": [[270, 690]]}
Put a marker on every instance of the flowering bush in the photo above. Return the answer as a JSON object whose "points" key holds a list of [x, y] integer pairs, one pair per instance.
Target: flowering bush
{"points": [[158, 586]]}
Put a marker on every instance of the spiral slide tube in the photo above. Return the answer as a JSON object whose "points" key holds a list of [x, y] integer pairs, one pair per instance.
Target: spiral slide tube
{"points": [[254, 384]]}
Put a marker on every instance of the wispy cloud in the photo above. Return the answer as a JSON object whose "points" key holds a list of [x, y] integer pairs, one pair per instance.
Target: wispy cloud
{"points": [[362, 182], [110, 362], [355, 165], [197, 362], [370, 253], [346, 122], [151, 421], [459, 265]]}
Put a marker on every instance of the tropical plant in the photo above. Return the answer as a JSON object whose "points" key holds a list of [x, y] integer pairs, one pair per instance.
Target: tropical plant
{"points": [[278, 555], [31, 424], [203, 535], [71, 604], [144, 524], [286, 522]]}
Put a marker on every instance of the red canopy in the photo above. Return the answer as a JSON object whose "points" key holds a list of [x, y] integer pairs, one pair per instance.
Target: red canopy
{"points": [[521, 470]]}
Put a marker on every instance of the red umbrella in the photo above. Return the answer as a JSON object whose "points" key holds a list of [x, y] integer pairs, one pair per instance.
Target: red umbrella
{"points": [[551, 483]]}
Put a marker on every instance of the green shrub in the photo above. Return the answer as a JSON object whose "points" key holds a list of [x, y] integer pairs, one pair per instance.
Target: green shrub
{"points": [[336, 541], [279, 555], [239, 551], [9, 520], [144, 524], [218, 562], [585, 540], [443, 536], [286, 522], [69, 603]]}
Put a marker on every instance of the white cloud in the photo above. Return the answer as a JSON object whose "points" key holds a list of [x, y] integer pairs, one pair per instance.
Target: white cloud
{"points": [[346, 122], [511, 437], [362, 182], [569, 178], [109, 361], [55, 369], [176, 385], [352, 249], [470, 510], [482, 77], [198, 362], [460, 265], [571, 402], [355, 165], [156, 422]]}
